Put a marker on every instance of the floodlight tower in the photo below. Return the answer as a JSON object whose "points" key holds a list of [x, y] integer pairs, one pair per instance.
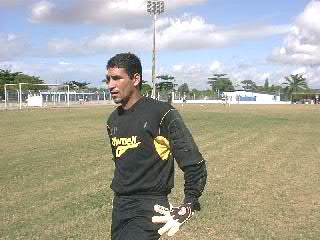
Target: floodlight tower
{"points": [[154, 8]]}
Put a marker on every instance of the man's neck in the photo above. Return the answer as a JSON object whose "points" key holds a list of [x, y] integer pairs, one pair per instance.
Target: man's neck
{"points": [[131, 101]]}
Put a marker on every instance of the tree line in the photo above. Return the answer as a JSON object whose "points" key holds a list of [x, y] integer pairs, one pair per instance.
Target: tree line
{"points": [[219, 83], [10, 77]]}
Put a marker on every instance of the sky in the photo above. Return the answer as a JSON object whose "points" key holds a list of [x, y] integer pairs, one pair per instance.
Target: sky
{"points": [[62, 41]]}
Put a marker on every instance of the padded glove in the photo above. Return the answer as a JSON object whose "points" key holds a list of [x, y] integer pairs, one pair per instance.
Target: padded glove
{"points": [[173, 217]]}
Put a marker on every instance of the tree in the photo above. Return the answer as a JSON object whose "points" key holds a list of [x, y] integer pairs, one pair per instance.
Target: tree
{"points": [[294, 83], [183, 88], [166, 83], [9, 77], [249, 85], [266, 84], [6, 77], [77, 85], [219, 83], [275, 88], [146, 89]]}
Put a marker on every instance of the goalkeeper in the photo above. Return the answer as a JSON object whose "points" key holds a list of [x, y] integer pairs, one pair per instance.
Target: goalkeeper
{"points": [[146, 136]]}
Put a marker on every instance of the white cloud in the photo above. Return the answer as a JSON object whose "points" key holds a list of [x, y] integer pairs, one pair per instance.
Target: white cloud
{"points": [[42, 9], [122, 40], [172, 4], [300, 70], [174, 34], [312, 76], [129, 13], [215, 66], [59, 72], [7, 3], [14, 3], [177, 68], [189, 32], [302, 44], [12, 46], [134, 40], [68, 48], [195, 75], [64, 63], [192, 32]]}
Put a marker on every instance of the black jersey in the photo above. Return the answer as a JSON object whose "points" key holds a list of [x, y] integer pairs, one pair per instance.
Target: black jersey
{"points": [[145, 140]]}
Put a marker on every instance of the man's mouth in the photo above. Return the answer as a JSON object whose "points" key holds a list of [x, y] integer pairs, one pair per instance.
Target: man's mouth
{"points": [[114, 93]]}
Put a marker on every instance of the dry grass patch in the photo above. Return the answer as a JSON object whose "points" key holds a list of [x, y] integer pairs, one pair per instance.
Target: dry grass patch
{"points": [[263, 166]]}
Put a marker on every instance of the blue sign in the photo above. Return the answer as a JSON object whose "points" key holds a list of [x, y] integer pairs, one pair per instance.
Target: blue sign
{"points": [[248, 98]]}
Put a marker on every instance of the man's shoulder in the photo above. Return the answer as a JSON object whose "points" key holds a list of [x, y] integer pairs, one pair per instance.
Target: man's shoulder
{"points": [[157, 105], [113, 114]]}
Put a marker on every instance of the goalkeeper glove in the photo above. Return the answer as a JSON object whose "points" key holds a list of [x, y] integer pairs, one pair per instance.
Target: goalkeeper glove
{"points": [[173, 217]]}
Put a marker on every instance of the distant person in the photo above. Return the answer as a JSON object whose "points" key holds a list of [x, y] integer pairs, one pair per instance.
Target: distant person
{"points": [[146, 136], [238, 98], [228, 99], [223, 100], [184, 100]]}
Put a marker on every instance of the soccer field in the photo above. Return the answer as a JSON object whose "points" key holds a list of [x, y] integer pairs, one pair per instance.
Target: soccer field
{"points": [[263, 173]]}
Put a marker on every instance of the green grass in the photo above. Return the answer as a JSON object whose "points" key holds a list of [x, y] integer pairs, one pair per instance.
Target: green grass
{"points": [[263, 165]]}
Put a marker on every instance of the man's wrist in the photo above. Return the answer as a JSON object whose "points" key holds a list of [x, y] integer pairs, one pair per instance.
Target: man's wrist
{"points": [[194, 205]]}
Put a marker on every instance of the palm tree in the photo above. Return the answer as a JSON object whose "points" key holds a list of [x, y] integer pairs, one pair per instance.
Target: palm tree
{"points": [[146, 89], [249, 85], [166, 83], [294, 83], [78, 85], [220, 83]]}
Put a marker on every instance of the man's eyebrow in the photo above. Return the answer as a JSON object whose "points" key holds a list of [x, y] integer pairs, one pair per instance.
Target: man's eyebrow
{"points": [[115, 77]]}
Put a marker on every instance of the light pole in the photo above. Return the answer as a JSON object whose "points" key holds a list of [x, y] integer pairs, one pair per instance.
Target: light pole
{"points": [[154, 8]]}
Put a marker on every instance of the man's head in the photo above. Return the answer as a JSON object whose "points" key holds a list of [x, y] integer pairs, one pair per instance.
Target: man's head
{"points": [[124, 77], [129, 62]]}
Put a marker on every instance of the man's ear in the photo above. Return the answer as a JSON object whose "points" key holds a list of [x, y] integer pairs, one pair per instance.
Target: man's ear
{"points": [[136, 79]]}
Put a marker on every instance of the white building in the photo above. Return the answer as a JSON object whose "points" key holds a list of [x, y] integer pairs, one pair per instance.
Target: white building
{"points": [[244, 97]]}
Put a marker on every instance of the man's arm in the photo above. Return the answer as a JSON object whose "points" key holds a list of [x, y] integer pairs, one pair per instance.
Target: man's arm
{"points": [[195, 177], [188, 157], [191, 162]]}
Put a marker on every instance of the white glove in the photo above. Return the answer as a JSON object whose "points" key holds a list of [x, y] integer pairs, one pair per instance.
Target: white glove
{"points": [[172, 218]]}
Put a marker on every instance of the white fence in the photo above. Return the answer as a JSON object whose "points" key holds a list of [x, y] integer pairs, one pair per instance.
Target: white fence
{"points": [[17, 97]]}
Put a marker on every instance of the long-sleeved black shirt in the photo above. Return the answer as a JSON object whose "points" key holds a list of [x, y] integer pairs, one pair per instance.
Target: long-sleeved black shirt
{"points": [[145, 140]]}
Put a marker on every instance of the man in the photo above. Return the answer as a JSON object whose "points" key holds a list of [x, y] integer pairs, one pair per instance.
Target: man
{"points": [[146, 136]]}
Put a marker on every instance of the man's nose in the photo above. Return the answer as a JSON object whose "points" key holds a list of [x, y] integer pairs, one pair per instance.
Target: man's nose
{"points": [[111, 84]]}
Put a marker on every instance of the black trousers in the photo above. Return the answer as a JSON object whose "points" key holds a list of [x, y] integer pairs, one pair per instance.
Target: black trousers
{"points": [[131, 217]]}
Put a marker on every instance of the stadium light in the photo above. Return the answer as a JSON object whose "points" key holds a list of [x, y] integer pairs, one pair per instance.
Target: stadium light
{"points": [[154, 8]]}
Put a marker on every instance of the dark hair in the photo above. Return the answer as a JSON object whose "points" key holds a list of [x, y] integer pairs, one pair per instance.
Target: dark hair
{"points": [[128, 61]]}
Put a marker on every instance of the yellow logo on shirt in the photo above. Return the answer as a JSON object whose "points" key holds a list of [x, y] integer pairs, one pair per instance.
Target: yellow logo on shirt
{"points": [[162, 147], [123, 144]]}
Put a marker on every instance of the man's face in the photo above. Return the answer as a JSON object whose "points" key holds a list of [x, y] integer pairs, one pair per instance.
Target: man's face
{"points": [[120, 85]]}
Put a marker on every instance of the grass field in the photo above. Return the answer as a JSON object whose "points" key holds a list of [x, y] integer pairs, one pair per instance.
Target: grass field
{"points": [[263, 165]]}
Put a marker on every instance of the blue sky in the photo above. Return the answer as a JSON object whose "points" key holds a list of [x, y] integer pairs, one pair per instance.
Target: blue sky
{"points": [[72, 40]]}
